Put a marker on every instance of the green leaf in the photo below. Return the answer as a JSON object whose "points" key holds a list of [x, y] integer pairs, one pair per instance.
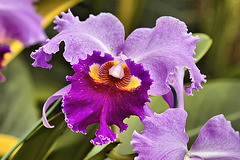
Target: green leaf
{"points": [[73, 145], [18, 110], [202, 46], [217, 97], [103, 153], [114, 155], [37, 145], [134, 123]]}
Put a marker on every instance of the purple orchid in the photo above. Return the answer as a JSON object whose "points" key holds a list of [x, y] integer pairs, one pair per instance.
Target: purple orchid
{"points": [[111, 80], [164, 137], [19, 21]]}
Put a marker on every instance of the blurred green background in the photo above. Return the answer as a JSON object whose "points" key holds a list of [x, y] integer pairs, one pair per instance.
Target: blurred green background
{"points": [[27, 88]]}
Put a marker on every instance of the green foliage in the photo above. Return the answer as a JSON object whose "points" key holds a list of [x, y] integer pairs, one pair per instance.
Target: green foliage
{"points": [[134, 123], [37, 145], [220, 20], [18, 110], [103, 153], [217, 97], [202, 46], [73, 145]]}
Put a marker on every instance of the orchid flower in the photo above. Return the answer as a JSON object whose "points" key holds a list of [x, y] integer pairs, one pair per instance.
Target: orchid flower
{"points": [[113, 77], [19, 21], [164, 138]]}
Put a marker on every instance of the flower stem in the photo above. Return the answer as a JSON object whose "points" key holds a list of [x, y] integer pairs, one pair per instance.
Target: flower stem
{"points": [[31, 130]]}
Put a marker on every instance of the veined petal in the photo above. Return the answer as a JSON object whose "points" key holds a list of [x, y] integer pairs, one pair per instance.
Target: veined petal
{"points": [[19, 20], [3, 50], [104, 33], [50, 100], [90, 102], [161, 50], [217, 140], [164, 136]]}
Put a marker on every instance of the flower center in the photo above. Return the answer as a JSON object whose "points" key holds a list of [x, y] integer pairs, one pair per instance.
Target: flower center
{"points": [[114, 73], [117, 71]]}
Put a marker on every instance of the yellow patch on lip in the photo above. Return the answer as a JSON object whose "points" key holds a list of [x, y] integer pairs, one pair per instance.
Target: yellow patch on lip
{"points": [[100, 75], [94, 73], [134, 83]]}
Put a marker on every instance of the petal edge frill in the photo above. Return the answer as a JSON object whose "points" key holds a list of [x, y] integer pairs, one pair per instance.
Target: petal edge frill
{"points": [[41, 59], [104, 33], [161, 50]]}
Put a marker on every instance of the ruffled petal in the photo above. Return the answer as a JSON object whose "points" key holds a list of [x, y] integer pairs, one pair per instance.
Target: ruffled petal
{"points": [[3, 50], [103, 32], [41, 59], [164, 136], [19, 20], [89, 102], [50, 100], [161, 50], [104, 135], [217, 140]]}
